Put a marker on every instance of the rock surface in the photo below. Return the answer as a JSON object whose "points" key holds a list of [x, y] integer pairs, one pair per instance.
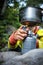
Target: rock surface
{"points": [[33, 57]]}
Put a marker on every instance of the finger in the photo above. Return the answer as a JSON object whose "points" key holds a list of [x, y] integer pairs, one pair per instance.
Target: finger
{"points": [[22, 35], [20, 38], [22, 31], [21, 26]]}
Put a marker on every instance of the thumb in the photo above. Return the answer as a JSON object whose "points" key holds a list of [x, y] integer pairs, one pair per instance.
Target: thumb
{"points": [[21, 26]]}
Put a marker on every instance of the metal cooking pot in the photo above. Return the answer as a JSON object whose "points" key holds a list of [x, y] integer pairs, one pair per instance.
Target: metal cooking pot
{"points": [[32, 14]]}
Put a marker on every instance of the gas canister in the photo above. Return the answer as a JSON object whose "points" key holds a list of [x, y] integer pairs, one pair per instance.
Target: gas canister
{"points": [[29, 42]]}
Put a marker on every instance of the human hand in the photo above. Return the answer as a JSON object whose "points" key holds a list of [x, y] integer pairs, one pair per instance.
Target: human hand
{"points": [[20, 34]]}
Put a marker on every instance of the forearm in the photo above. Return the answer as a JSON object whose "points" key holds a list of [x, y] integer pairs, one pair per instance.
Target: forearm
{"points": [[12, 39]]}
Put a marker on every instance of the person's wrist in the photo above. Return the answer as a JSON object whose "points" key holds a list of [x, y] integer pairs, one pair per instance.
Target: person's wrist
{"points": [[14, 36], [12, 39]]}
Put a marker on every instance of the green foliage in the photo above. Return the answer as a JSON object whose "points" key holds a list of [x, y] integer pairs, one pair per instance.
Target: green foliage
{"points": [[11, 17]]}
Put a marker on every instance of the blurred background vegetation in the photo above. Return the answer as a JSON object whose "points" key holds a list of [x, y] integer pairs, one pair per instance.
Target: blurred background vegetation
{"points": [[9, 17]]}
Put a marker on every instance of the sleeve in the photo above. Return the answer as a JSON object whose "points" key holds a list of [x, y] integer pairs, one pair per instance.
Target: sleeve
{"points": [[35, 29], [12, 40]]}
